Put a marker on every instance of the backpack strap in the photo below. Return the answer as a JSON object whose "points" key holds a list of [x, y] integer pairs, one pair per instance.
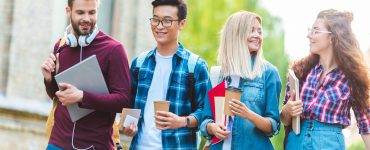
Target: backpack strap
{"points": [[192, 62], [141, 58], [50, 121], [215, 75], [139, 62]]}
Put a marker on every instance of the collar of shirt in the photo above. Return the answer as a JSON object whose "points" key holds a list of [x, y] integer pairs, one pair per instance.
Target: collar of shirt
{"points": [[180, 52]]}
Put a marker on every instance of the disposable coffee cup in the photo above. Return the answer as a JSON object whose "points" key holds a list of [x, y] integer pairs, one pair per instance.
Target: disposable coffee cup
{"points": [[161, 106], [231, 93]]}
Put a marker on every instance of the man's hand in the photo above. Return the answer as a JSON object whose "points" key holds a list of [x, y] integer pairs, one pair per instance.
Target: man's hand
{"points": [[69, 94], [167, 120], [130, 130], [49, 66], [218, 130]]}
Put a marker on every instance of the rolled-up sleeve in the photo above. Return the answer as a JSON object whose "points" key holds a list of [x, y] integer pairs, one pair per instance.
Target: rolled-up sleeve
{"points": [[201, 88], [273, 89], [206, 117], [275, 127], [363, 121], [203, 128]]}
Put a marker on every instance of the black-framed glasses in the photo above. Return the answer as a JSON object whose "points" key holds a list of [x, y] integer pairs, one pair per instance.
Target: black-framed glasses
{"points": [[165, 22]]}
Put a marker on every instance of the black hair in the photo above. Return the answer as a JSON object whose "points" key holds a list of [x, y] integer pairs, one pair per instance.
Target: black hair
{"points": [[180, 4]]}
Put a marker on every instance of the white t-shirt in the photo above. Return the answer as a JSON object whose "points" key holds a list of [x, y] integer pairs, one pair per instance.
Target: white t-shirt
{"points": [[151, 137]]}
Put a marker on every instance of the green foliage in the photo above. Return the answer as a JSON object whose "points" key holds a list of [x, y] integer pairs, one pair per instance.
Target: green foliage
{"points": [[205, 20], [357, 146]]}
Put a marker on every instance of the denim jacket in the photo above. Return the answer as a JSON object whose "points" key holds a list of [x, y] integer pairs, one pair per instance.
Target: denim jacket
{"points": [[261, 95]]}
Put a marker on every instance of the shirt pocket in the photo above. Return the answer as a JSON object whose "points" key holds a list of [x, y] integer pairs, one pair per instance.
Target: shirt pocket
{"points": [[252, 91], [178, 87], [179, 81], [334, 94]]}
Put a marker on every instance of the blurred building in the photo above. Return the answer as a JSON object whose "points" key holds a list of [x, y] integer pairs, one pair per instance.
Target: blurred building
{"points": [[28, 31]]}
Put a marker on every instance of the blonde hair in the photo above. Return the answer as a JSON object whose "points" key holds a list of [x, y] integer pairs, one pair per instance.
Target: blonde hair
{"points": [[233, 54]]}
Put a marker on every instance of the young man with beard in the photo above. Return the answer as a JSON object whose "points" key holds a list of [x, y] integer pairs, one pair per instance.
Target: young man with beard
{"points": [[83, 39], [166, 73]]}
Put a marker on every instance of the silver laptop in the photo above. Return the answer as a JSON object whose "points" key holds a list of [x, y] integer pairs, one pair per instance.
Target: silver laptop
{"points": [[86, 76]]}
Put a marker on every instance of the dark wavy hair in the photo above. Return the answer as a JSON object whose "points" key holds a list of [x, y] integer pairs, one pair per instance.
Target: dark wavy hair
{"points": [[347, 54], [180, 4]]}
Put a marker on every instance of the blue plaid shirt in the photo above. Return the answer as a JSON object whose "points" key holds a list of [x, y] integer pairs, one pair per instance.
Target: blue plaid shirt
{"points": [[180, 103]]}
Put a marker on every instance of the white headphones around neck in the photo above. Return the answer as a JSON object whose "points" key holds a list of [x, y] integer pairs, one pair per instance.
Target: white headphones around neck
{"points": [[83, 40]]}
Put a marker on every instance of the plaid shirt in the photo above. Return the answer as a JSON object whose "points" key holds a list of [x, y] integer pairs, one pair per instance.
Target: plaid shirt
{"points": [[180, 103], [331, 101]]}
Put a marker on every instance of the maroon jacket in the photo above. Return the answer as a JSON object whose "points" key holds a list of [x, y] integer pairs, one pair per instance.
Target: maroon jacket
{"points": [[95, 128]]}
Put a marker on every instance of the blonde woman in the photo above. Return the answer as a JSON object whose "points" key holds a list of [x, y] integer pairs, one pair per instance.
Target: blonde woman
{"points": [[243, 66]]}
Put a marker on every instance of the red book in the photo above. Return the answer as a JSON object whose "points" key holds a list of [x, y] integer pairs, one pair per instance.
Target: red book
{"points": [[217, 91]]}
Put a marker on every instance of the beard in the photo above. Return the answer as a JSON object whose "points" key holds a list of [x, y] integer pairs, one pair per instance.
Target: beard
{"points": [[78, 31]]}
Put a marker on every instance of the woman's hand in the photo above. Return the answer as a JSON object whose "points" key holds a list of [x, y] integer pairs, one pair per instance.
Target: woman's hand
{"points": [[293, 107], [238, 108], [218, 130]]}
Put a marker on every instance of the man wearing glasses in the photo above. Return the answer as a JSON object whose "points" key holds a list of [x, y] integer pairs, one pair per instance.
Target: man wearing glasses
{"points": [[163, 74]]}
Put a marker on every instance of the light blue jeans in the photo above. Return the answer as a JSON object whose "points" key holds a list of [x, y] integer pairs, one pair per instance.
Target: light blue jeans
{"points": [[316, 136]]}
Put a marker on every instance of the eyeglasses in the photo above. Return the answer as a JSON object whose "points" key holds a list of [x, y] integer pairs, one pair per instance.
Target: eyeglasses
{"points": [[315, 31], [165, 23]]}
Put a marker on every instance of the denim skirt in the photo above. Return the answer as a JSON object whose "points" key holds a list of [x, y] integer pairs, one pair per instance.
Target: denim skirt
{"points": [[315, 135]]}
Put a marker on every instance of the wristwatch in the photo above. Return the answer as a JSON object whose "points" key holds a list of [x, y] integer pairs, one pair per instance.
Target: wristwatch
{"points": [[187, 121]]}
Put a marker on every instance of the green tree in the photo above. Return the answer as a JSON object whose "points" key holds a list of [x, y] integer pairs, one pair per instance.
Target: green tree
{"points": [[205, 20]]}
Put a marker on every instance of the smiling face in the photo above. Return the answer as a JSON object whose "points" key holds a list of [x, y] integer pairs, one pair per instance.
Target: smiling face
{"points": [[319, 37], [83, 15], [254, 39], [167, 35]]}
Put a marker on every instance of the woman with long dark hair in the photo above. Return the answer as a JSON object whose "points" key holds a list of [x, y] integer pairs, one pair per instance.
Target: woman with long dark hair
{"points": [[334, 78]]}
